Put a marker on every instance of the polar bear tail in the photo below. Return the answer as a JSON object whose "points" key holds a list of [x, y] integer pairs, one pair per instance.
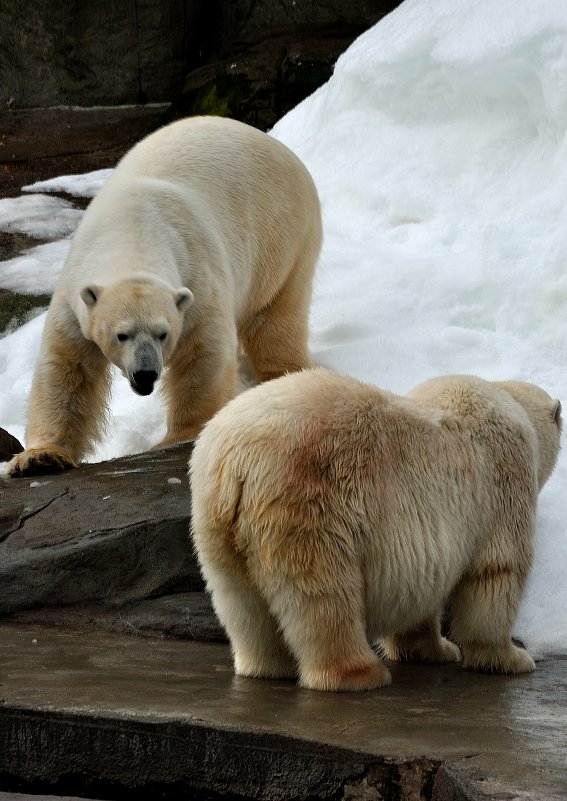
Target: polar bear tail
{"points": [[216, 494]]}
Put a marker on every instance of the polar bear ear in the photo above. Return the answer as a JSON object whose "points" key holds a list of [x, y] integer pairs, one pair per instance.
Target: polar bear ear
{"points": [[557, 413], [183, 298], [90, 294]]}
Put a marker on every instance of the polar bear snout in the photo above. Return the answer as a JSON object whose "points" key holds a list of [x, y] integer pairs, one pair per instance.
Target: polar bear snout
{"points": [[146, 368], [143, 381]]}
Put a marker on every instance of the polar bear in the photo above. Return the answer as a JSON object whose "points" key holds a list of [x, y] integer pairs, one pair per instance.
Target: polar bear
{"points": [[329, 516], [204, 238]]}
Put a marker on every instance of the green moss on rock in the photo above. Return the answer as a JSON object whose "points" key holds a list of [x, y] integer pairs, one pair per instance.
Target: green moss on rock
{"points": [[208, 102], [223, 96]]}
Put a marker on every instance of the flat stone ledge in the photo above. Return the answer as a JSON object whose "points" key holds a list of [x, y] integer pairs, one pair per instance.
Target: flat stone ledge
{"points": [[121, 717], [115, 757]]}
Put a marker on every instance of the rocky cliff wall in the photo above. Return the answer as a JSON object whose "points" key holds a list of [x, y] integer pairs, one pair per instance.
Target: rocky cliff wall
{"points": [[86, 53]]}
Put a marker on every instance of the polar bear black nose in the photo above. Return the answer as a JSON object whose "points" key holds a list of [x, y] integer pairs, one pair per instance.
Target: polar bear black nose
{"points": [[144, 381]]}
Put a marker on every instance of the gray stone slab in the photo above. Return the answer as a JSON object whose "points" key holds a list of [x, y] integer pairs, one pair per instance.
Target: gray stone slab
{"points": [[110, 533], [139, 712], [105, 546]]}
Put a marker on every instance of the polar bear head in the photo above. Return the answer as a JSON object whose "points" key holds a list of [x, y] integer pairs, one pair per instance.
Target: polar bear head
{"points": [[136, 322], [544, 413]]}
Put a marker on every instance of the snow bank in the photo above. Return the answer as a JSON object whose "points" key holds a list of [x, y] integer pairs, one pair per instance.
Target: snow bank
{"points": [[439, 149]]}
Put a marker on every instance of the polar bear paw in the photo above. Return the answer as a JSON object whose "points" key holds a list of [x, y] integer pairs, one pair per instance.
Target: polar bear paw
{"points": [[38, 461], [419, 648], [269, 664], [347, 678], [506, 658]]}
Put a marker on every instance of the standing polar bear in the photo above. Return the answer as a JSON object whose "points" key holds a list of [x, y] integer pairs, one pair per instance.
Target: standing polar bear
{"points": [[206, 235], [328, 515]]}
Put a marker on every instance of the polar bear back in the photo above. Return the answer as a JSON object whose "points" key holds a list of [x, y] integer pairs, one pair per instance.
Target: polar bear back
{"points": [[201, 191], [412, 486], [253, 183], [328, 456]]}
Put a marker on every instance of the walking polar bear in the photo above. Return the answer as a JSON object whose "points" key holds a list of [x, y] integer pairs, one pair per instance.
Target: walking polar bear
{"points": [[207, 233], [328, 515]]}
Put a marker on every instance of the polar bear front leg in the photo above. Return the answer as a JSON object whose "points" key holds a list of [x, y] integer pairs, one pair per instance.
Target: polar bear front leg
{"points": [[201, 377], [423, 643], [484, 608], [67, 406]]}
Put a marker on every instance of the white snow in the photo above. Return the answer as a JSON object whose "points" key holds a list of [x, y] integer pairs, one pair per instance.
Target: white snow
{"points": [[36, 271], [86, 185], [439, 149], [40, 216]]}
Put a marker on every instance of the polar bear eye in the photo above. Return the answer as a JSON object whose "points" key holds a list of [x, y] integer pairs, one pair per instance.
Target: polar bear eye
{"points": [[122, 337], [162, 337]]}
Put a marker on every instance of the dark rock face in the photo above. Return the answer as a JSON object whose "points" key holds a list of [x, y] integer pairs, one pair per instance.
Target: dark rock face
{"points": [[265, 75], [86, 53], [9, 445], [105, 546], [90, 53]]}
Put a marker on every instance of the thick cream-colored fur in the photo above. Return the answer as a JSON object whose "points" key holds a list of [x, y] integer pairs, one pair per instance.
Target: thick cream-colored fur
{"points": [[207, 204], [330, 517]]}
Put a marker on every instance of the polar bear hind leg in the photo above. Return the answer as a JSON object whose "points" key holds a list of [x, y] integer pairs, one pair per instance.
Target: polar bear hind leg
{"points": [[257, 646], [275, 339], [326, 632]]}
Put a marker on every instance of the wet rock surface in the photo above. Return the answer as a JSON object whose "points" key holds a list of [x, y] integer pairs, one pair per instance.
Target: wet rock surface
{"points": [[125, 717], [105, 546]]}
